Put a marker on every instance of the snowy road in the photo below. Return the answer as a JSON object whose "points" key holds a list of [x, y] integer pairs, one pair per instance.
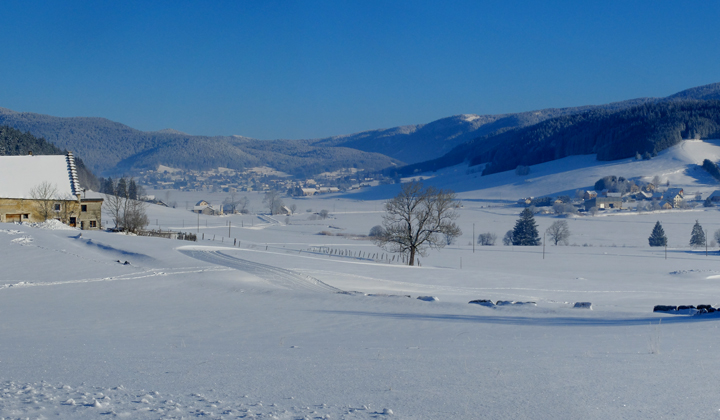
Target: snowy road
{"points": [[276, 276]]}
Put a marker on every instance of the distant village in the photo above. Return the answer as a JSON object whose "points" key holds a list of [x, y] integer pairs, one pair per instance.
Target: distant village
{"points": [[257, 179], [609, 193], [620, 195]]}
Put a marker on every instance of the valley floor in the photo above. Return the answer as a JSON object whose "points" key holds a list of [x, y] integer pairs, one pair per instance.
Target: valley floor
{"points": [[261, 328]]}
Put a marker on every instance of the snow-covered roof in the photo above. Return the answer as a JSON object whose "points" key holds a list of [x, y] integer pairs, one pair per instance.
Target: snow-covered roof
{"points": [[672, 192], [20, 174]]}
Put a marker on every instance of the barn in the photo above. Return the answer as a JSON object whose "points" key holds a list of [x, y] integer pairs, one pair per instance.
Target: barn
{"points": [[37, 188]]}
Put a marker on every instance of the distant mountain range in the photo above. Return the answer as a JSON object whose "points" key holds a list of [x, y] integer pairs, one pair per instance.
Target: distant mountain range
{"points": [[109, 147]]}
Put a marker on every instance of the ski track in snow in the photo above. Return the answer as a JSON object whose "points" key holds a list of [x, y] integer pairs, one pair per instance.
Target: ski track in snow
{"points": [[153, 272], [470, 291], [277, 276], [45, 400]]}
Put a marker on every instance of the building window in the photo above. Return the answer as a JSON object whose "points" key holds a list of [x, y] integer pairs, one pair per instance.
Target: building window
{"points": [[26, 216], [83, 208], [57, 206], [93, 224]]}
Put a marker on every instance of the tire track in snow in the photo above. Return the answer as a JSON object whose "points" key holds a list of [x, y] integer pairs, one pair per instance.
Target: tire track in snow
{"points": [[277, 276]]}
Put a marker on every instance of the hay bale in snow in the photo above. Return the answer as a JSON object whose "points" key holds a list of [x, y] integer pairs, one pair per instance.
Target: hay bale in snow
{"points": [[428, 298], [664, 308], [583, 305]]}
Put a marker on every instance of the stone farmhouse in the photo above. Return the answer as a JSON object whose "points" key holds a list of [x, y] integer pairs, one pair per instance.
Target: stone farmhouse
{"points": [[37, 188]]}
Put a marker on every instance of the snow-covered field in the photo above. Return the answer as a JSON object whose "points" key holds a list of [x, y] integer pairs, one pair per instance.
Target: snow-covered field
{"points": [[262, 323]]}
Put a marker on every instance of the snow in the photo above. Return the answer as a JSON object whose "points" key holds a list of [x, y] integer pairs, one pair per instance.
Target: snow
{"points": [[51, 224], [27, 172], [272, 327]]}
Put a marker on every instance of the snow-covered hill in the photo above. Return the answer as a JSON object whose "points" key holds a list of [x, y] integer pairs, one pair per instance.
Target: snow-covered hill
{"points": [[263, 317], [679, 164]]}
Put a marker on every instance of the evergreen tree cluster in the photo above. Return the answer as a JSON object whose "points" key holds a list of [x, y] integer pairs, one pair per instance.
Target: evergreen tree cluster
{"points": [[711, 168], [16, 143], [124, 188], [613, 183], [649, 128]]}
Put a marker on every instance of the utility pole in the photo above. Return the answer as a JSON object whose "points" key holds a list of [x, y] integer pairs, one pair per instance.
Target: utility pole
{"points": [[473, 238], [544, 245], [198, 223], [229, 227]]}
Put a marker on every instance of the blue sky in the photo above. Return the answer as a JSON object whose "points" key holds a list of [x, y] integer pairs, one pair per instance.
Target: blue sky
{"points": [[308, 69]]}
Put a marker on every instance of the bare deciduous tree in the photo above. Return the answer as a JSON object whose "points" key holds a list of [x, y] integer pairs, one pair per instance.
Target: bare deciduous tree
{"points": [[324, 214], [134, 215], [127, 215], [44, 195], [273, 201], [559, 232], [115, 206], [507, 239], [242, 204], [418, 218]]}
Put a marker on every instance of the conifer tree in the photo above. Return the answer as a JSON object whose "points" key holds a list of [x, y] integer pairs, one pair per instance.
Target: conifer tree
{"points": [[121, 188], [109, 187], [657, 238], [525, 232], [697, 237], [132, 190]]}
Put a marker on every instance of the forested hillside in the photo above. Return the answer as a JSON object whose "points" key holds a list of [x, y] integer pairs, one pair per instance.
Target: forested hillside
{"points": [[645, 129], [114, 148], [295, 157], [16, 143], [417, 143]]}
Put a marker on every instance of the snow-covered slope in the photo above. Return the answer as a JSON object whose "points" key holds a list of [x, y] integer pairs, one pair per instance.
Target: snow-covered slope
{"points": [[679, 164], [248, 322]]}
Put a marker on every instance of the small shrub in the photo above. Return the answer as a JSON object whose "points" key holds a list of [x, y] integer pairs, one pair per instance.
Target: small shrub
{"points": [[487, 239], [376, 231]]}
